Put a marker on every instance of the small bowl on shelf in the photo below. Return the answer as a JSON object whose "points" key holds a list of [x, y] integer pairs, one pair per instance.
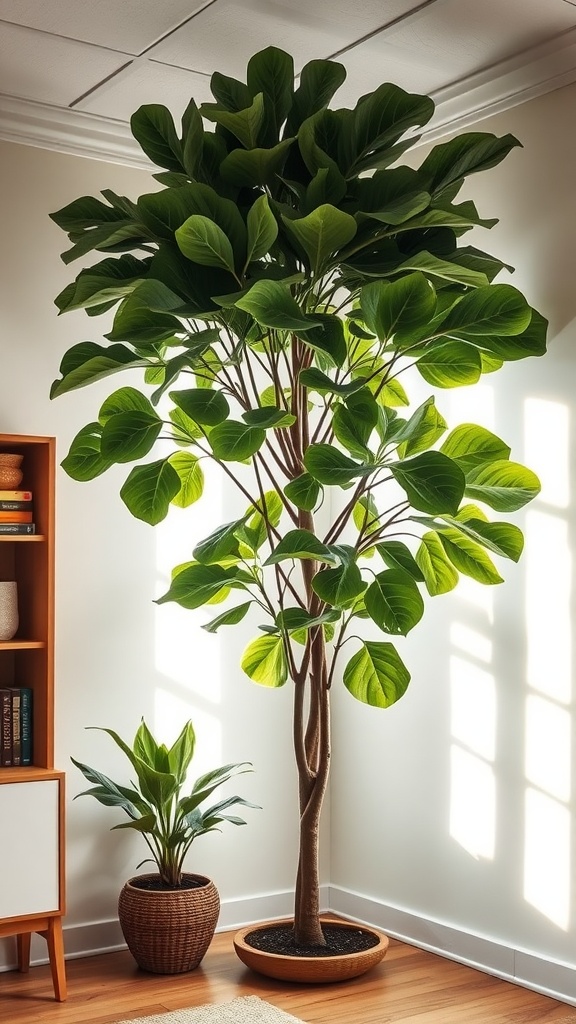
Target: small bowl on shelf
{"points": [[10, 472]]}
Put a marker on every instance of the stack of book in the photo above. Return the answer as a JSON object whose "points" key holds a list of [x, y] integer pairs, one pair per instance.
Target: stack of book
{"points": [[15, 726], [16, 512]]}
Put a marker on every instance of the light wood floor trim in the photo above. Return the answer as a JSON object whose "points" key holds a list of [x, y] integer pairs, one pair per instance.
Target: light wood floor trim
{"points": [[410, 986]]}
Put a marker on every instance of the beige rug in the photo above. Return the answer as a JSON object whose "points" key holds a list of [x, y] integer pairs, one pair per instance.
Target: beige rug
{"points": [[243, 1010]]}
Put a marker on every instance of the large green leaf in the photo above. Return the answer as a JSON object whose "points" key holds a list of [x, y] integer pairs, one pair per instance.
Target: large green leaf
{"points": [[531, 342], [262, 229], [440, 576], [319, 80], [504, 486], [196, 584], [327, 337], [328, 465], [467, 153], [202, 241], [233, 441], [250, 168], [202, 405], [397, 555], [125, 399], [107, 281], [316, 380], [303, 492], [380, 119], [340, 586], [244, 124], [219, 545], [354, 423], [445, 270], [271, 72], [376, 675], [88, 362], [130, 435], [504, 539], [422, 430], [432, 482], [469, 557], [394, 602], [391, 308], [85, 460], [264, 661], [470, 446], [450, 364], [153, 127], [322, 233], [497, 309], [149, 489], [191, 476], [272, 305], [229, 618], [300, 544]]}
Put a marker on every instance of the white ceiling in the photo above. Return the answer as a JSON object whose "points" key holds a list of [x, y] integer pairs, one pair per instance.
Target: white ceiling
{"points": [[73, 71]]}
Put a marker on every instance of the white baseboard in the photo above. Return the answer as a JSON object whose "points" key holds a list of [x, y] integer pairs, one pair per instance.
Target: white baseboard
{"points": [[529, 970], [521, 967]]}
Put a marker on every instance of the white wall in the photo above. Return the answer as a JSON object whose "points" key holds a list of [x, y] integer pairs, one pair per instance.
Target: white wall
{"points": [[489, 714], [118, 655]]}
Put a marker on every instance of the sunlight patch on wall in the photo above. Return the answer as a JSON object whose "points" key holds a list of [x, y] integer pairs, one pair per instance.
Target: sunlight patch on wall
{"points": [[473, 709], [186, 655], [473, 728], [472, 803], [548, 717], [547, 857]]}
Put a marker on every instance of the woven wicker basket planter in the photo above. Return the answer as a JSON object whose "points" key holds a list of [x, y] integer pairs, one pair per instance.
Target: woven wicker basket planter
{"points": [[311, 969], [168, 931]]}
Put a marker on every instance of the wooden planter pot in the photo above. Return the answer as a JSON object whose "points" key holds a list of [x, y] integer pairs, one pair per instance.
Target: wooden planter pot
{"points": [[311, 969], [168, 931]]}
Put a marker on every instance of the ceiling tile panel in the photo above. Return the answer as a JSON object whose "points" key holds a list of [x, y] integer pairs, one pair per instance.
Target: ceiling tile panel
{"points": [[147, 82], [126, 25], [224, 35], [46, 68]]}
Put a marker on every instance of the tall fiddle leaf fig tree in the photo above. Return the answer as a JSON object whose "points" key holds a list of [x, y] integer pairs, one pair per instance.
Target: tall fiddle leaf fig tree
{"points": [[280, 286]]}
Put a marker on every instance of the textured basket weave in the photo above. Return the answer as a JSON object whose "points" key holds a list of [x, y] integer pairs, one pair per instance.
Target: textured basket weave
{"points": [[311, 969], [168, 932]]}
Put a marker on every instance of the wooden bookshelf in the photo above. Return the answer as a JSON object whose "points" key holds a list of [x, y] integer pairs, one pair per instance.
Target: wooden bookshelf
{"points": [[32, 893]]}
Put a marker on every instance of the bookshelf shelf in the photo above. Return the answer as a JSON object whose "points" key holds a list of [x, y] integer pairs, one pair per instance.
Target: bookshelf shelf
{"points": [[32, 796]]}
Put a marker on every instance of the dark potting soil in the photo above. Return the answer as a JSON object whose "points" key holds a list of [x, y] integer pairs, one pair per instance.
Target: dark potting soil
{"points": [[155, 883], [339, 941]]}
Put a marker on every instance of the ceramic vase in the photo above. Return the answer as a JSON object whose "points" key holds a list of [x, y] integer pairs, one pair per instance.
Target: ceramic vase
{"points": [[10, 472], [8, 609]]}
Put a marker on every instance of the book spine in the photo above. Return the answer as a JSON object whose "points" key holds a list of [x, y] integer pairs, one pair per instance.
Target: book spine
{"points": [[26, 724], [5, 728], [17, 528], [15, 517], [15, 495], [15, 506], [16, 741]]}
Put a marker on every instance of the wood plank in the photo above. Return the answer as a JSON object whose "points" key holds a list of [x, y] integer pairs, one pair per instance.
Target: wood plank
{"points": [[410, 986]]}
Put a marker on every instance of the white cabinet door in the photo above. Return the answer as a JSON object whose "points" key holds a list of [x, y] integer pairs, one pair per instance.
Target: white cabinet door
{"points": [[29, 875]]}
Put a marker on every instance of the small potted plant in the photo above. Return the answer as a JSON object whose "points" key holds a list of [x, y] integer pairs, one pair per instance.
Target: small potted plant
{"points": [[168, 917]]}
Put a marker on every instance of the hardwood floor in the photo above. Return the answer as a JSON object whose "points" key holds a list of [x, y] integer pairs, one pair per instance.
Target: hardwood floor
{"points": [[410, 986]]}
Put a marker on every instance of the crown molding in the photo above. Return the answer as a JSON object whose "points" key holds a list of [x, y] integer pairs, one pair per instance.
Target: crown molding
{"points": [[533, 73], [69, 131]]}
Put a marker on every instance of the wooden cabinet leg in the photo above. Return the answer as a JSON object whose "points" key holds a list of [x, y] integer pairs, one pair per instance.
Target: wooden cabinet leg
{"points": [[23, 947], [56, 952]]}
